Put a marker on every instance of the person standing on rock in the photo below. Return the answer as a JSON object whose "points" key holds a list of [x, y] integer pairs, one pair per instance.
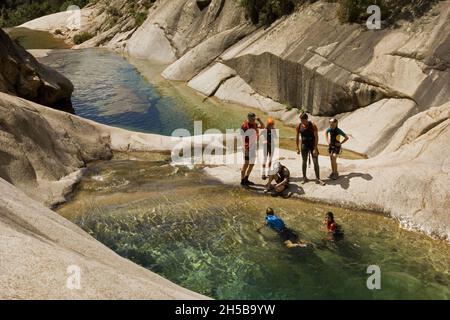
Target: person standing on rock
{"points": [[334, 145], [269, 138], [250, 133], [309, 134]]}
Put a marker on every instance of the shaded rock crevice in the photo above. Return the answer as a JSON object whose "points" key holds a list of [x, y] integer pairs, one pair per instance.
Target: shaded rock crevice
{"points": [[221, 82]]}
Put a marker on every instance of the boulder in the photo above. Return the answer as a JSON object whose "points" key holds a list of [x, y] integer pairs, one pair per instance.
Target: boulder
{"points": [[417, 125], [70, 20], [370, 129], [151, 43], [43, 250], [22, 75], [186, 24], [208, 81], [43, 151], [202, 55], [40, 146]]}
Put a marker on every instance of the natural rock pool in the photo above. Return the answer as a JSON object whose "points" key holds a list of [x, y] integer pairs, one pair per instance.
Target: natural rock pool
{"points": [[202, 235], [111, 90], [36, 39]]}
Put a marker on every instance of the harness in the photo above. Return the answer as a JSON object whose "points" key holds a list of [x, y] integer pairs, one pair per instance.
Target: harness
{"points": [[280, 176], [334, 133], [308, 138], [246, 126]]}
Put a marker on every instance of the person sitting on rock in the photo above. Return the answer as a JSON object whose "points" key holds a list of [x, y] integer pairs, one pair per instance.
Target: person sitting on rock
{"points": [[308, 132], [280, 174], [332, 135], [289, 237], [334, 231]]}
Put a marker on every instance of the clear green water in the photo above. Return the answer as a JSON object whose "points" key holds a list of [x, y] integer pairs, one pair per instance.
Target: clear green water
{"points": [[36, 39], [131, 94], [202, 235]]}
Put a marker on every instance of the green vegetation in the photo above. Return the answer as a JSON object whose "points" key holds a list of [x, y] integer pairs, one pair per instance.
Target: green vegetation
{"points": [[16, 12], [356, 10], [113, 11], [139, 11], [134, 9], [82, 37], [391, 10], [348, 11], [266, 11], [139, 18]]}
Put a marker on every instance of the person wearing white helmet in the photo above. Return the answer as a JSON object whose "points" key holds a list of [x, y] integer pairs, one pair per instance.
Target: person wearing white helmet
{"points": [[280, 174]]}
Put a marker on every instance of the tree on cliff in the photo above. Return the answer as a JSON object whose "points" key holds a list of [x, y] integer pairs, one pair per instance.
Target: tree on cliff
{"points": [[266, 11], [391, 10], [16, 12]]}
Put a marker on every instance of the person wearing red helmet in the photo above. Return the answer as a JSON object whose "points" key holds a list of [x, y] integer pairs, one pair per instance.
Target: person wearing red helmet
{"points": [[250, 133]]}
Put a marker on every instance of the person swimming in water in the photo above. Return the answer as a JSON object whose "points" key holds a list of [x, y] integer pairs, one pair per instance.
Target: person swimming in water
{"points": [[289, 237], [334, 231]]}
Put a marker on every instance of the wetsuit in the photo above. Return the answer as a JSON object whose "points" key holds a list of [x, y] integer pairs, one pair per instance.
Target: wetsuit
{"points": [[335, 230], [308, 146], [282, 174], [270, 145], [250, 140], [333, 148], [277, 224]]}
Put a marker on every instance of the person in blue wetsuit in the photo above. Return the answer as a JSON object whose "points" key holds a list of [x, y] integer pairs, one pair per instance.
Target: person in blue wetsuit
{"points": [[332, 135], [289, 237]]}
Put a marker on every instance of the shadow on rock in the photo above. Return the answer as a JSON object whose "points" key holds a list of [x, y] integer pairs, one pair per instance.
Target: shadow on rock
{"points": [[289, 192], [344, 180]]}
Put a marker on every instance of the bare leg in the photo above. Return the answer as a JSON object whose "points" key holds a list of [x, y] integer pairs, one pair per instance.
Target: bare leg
{"points": [[244, 170], [290, 244], [334, 162], [331, 161], [280, 189], [249, 170]]}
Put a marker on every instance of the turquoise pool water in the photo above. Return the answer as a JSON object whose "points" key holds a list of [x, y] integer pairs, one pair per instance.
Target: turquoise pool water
{"points": [[202, 235]]}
